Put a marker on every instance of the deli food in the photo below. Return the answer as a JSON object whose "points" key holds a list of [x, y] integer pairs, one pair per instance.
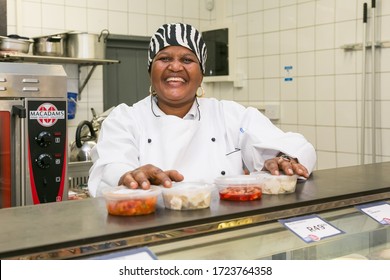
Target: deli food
{"points": [[122, 201], [239, 188], [187, 196], [276, 184], [240, 193], [132, 207]]}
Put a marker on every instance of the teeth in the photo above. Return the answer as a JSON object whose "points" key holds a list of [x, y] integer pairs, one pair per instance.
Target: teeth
{"points": [[175, 79]]}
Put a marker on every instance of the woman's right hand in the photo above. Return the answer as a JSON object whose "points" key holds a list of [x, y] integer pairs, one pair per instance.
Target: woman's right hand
{"points": [[147, 175]]}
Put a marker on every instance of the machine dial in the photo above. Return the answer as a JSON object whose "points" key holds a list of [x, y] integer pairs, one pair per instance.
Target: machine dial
{"points": [[44, 161], [44, 139]]}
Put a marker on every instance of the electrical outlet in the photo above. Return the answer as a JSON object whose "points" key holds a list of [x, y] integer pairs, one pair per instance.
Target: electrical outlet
{"points": [[272, 111]]}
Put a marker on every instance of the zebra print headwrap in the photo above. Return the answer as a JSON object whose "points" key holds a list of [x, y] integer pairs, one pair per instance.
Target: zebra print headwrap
{"points": [[178, 34]]}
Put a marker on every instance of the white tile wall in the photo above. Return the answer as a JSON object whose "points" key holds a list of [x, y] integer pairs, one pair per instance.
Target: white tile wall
{"points": [[306, 14], [323, 101]]}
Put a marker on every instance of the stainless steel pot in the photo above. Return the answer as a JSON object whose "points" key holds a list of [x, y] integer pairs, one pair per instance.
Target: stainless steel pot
{"points": [[87, 45], [51, 45], [15, 43]]}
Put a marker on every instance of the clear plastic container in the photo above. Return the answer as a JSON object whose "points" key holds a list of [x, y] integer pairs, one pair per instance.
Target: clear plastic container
{"points": [[276, 184], [122, 201], [187, 196], [239, 188]]}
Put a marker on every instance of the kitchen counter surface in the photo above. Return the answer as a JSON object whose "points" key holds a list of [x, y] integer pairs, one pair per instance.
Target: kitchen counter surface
{"points": [[27, 232]]}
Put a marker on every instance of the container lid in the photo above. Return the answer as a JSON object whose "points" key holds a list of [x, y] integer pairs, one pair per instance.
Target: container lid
{"points": [[188, 187], [16, 39], [266, 175], [122, 192], [237, 180]]}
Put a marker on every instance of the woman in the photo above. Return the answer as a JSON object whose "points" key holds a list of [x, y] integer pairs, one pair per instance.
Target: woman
{"points": [[174, 135]]}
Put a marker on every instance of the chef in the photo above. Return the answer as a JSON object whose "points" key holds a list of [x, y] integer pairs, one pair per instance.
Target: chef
{"points": [[177, 134]]}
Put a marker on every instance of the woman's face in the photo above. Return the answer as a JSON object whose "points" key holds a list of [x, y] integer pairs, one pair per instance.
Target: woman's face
{"points": [[176, 76]]}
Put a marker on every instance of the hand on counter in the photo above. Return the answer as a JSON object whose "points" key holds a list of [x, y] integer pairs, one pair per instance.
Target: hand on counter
{"points": [[148, 175], [288, 165]]}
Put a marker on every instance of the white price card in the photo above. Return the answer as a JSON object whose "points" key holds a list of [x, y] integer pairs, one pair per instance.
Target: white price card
{"points": [[311, 228], [379, 211]]}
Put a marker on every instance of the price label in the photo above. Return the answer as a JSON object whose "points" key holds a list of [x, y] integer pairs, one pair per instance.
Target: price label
{"points": [[379, 211], [311, 228]]}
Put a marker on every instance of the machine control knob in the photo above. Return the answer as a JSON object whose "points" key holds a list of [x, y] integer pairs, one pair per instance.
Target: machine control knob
{"points": [[44, 139], [44, 161]]}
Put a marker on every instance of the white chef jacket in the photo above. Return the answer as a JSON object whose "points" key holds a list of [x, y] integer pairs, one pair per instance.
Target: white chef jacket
{"points": [[215, 138]]}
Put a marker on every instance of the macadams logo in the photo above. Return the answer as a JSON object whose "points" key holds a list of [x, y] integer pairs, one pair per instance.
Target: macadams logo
{"points": [[47, 114]]}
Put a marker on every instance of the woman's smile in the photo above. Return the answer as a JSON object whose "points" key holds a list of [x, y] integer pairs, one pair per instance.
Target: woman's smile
{"points": [[176, 76]]}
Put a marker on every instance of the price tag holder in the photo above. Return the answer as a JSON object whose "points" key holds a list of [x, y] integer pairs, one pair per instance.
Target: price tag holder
{"points": [[142, 253], [379, 211], [311, 228]]}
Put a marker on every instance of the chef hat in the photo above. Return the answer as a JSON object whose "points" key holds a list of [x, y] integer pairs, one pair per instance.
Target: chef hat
{"points": [[178, 34]]}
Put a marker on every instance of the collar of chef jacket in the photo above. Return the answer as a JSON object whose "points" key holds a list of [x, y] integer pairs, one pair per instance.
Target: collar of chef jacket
{"points": [[192, 114]]}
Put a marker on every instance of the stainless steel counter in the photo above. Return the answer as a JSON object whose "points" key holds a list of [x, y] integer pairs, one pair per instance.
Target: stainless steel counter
{"points": [[73, 229]]}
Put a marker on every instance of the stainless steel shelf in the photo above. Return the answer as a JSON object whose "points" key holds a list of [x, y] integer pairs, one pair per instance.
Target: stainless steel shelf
{"points": [[11, 57], [19, 57]]}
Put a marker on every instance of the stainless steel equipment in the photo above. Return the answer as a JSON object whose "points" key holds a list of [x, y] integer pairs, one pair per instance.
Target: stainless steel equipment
{"points": [[15, 43], [33, 143], [80, 149], [86, 137], [51, 45], [87, 45]]}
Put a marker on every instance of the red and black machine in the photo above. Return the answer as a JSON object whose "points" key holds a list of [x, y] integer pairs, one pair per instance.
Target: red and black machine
{"points": [[33, 134]]}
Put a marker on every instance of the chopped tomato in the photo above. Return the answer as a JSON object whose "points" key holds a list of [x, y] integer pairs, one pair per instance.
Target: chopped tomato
{"points": [[240, 193], [132, 207]]}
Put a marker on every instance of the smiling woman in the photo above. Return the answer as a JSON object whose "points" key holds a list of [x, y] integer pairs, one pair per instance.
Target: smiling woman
{"points": [[175, 134], [176, 63], [175, 75]]}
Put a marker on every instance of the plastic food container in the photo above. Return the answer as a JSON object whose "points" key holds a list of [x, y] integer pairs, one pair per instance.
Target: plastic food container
{"points": [[239, 188], [122, 201], [187, 196], [276, 184]]}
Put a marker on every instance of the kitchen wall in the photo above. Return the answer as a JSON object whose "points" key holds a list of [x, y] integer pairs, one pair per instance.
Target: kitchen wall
{"points": [[289, 60], [323, 99]]}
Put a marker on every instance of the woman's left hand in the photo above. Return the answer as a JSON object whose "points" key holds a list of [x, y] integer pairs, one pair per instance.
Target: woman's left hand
{"points": [[289, 166]]}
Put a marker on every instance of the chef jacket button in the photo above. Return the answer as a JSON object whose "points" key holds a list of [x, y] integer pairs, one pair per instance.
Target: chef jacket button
{"points": [[149, 140], [223, 172], [213, 139]]}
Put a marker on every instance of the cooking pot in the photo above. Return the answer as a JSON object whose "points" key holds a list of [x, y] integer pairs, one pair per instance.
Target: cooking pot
{"points": [[15, 43], [86, 45], [51, 45], [80, 149]]}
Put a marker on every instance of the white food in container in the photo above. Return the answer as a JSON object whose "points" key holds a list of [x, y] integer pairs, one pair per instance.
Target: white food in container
{"points": [[276, 184], [187, 196]]}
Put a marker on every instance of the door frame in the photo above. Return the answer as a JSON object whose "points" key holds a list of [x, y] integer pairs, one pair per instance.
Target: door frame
{"points": [[120, 42]]}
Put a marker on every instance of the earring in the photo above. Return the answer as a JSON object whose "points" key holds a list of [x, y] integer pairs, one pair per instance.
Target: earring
{"points": [[202, 92], [152, 91]]}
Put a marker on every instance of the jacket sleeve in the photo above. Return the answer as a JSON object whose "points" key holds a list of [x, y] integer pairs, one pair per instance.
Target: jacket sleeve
{"points": [[260, 140], [116, 151]]}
